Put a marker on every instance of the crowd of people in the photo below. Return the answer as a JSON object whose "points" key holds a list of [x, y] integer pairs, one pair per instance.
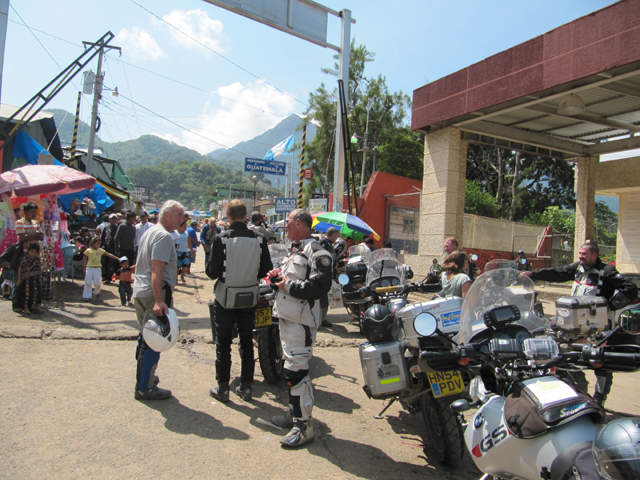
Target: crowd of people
{"points": [[147, 254]]}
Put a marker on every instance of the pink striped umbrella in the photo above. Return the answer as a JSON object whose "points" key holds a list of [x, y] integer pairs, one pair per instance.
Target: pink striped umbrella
{"points": [[40, 179]]}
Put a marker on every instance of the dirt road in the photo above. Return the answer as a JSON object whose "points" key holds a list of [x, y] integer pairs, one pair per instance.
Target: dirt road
{"points": [[67, 409]]}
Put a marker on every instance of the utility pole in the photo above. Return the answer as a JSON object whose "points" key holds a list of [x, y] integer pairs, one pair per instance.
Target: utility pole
{"points": [[97, 95], [365, 148], [343, 73], [4, 18]]}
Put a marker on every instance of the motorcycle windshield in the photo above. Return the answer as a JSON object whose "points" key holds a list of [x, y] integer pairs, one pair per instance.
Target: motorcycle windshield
{"points": [[360, 251], [493, 289], [384, 263], [499, 263]]}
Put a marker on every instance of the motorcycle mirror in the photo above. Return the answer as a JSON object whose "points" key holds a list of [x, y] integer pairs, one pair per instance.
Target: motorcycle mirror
{"points": [[474, 257], [425, 324], [343, 279], [630, 321]]}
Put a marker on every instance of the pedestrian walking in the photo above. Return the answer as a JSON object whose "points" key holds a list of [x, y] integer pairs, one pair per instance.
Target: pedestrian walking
{"points": [[30, 280], [126, 238], [92, 267], [125, 280]]}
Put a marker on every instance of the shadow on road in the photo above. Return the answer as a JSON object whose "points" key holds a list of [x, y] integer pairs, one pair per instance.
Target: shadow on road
{"points": [[186, 421]]}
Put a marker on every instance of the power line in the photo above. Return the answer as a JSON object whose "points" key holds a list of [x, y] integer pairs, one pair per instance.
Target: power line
{"points": [[208, 92], [34, 36], [183, 128], [216, 53]]}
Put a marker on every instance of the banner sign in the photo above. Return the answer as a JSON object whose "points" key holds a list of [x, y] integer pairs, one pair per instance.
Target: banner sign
{"points": [[264, 166], [318, 205], [285, 205]]}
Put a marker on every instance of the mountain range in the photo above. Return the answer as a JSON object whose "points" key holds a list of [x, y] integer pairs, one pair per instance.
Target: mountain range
{"points": [[150, 149]]}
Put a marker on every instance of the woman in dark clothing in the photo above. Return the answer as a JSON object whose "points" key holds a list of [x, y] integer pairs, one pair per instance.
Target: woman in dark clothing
{"points": [[30, 280]]}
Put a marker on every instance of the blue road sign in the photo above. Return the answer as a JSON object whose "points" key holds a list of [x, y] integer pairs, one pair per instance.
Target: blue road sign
{"points": [[264, 166], [284, 205]]}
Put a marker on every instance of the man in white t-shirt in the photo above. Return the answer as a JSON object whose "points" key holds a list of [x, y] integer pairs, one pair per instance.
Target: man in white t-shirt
{"points": [[153, 292], [142, 227]]}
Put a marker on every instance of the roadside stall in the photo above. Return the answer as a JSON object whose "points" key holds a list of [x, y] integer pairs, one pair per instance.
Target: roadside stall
{"points": [[42, 185]]}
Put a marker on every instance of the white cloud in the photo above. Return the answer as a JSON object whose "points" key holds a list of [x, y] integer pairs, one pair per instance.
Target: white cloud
{"points": [[233, 121], [138, 45], [197, 25]]}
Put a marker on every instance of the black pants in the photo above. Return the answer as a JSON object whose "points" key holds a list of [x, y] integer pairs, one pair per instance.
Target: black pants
{"points": [[225, 319], [125, 290], [109, 267]]}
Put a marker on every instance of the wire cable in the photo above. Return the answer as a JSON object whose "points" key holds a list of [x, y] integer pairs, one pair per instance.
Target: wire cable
{"points": [[218, 54], [34, 36]]}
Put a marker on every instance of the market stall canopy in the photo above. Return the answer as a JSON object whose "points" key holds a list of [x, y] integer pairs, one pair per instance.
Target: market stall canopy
{"points": [[41, 179], [349, 225], [97, 194]]}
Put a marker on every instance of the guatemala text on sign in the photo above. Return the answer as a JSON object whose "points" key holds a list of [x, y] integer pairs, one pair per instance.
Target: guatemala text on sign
{"points": [[264, 166]]}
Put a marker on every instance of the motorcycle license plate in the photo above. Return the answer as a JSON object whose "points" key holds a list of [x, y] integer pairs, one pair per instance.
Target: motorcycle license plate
{"points": [[444, 384], [263, 317]]}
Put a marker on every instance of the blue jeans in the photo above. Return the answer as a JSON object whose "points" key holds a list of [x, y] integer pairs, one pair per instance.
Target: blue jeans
{"points": [[125, 290]]}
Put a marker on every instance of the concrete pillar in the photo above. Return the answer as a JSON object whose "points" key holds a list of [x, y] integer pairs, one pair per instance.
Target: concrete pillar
{"points": [[585, 188], [443, 188]]}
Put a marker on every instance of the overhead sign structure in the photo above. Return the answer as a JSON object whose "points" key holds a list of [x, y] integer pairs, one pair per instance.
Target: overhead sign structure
{"points": [[285, 205], [264, 166], [306, 19]]}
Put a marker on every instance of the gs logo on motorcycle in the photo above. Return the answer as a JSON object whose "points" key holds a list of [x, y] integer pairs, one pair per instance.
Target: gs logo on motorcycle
{"points": [[490, 441], [477, 423]]}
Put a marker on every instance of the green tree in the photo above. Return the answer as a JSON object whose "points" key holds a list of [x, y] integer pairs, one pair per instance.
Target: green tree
{"points": [[479, 202], [387, 117], [403, 155], [522, 184]]}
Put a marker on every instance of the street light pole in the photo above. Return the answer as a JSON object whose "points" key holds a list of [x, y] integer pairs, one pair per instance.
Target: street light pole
{"points": [[365, 148]]}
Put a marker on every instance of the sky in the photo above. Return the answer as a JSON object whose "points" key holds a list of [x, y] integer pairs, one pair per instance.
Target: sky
{"points": [[203, 77]]}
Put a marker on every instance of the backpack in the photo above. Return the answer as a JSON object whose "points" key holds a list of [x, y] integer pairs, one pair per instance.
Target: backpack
{"points": [[238, 287]]}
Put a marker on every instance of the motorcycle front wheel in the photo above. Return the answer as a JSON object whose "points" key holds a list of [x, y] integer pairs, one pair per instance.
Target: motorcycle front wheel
{"points": [[270, 354], [444, 433]]}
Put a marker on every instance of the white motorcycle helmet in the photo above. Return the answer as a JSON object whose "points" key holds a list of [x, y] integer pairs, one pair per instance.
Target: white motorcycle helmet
{"points": [[161, 333]]}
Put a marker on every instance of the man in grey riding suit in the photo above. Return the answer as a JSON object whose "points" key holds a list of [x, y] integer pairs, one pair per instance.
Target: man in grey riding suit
{"points": [[592, 277], [305, 277]]}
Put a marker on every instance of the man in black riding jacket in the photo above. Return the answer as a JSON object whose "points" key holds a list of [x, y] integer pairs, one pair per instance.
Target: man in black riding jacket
{"points": [[592, 277], [239, 259]]}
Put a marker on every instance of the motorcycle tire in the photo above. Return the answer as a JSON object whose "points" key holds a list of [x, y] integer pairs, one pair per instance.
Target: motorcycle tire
{"points": [[444, 433], [270, 354]]}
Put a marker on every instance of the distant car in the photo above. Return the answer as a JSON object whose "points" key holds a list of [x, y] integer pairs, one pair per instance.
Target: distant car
{"points": [[280, 233]]}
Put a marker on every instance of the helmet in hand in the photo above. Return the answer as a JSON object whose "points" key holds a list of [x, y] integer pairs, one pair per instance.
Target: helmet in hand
{"points": [[161, 333]]}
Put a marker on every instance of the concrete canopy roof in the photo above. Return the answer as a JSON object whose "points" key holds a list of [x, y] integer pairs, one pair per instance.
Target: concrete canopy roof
{"points": [[511, 99]]}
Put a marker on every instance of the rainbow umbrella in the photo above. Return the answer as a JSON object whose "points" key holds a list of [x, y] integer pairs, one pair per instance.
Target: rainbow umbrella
{"points": [[349, 225]]}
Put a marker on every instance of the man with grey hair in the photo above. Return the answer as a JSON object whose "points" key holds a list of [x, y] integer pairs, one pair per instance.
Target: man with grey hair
{"points": [[153, 293], [305, 277]]}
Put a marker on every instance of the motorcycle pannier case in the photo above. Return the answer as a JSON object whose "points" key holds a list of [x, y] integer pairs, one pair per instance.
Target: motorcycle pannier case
{"points": [[582, 313], [383, 368]]}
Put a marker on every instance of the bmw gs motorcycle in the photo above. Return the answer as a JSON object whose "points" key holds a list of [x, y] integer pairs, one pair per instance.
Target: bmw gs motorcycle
{"points": [[379, 268], [529, 424]]}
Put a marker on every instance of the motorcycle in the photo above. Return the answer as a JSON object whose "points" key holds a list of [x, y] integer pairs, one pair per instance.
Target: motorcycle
{"points": [[379, 268], [529, 424], [266, 332]]}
